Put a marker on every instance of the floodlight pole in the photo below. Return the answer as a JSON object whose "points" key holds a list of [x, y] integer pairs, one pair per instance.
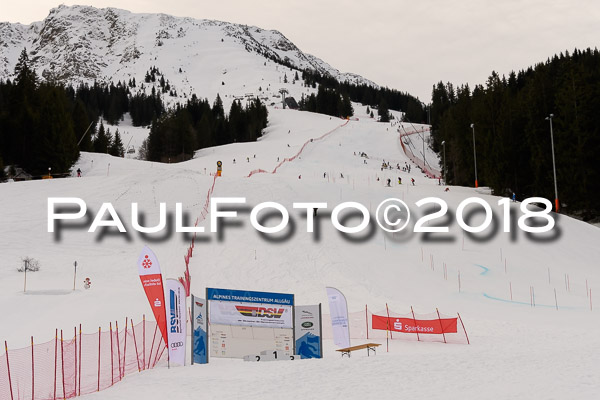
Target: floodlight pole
{"points": [[444, 145], [556, 204], [474, 154]]}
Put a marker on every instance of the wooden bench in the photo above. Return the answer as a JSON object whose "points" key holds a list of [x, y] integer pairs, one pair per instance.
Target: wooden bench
{"points": [[369, 346]]}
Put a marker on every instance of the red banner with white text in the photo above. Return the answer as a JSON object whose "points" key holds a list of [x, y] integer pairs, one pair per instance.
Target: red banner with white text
{"points": [[409, 325], [152, 281]]}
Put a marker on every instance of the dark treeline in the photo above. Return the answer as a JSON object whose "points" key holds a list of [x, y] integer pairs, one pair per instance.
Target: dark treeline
{"points": [[512, 133], [327, 101], [42, 123], [196, 125], [385, 98]]}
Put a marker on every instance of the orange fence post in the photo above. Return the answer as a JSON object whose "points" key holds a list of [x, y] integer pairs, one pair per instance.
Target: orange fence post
{"points": [[367, 319], [8, 367], [79, 392], [463, 325], [32, 372], [112, 367], [62, 363], [441, 326], [75, 353], [118, 349], [125, 346], [55, 359], [415, 322], [99, 341], [136, 348]]}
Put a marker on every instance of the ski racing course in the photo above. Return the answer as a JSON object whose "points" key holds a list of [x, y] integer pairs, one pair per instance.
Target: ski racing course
{"points": [[517, 350]]}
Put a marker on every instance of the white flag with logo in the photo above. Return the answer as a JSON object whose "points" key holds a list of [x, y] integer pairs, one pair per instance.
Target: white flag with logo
{"points": [[176, 321], [338, 309]]}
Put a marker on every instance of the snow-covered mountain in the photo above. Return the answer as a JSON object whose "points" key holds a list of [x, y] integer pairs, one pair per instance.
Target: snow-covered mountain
{"points": [[82, 43]]}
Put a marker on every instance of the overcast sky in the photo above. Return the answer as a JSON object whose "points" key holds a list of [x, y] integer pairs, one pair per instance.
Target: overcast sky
{"points": [[406, 45]]}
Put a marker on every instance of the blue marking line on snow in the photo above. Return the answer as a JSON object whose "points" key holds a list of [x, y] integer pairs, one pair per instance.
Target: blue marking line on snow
{"points": [[485, 269], [524, 303]]}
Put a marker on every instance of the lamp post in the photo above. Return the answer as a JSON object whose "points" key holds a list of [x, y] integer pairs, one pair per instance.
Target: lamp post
{"points": [[444, 145], [474, 154], [549, 118]]}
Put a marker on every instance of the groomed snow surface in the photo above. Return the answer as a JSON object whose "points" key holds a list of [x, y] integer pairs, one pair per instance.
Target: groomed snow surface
{"points": [[516, 351]]}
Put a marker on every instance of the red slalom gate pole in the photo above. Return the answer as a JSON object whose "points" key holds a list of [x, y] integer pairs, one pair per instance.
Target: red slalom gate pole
{"points": [[137, 357], [8, 367], [32, 372], [55, 359]]}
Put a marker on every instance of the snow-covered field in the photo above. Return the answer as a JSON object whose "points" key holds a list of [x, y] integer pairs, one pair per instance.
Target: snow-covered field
{"points": [[516, 351]]}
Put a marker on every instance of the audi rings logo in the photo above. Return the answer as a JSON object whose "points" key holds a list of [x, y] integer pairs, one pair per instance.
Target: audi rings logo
{"points": [[175, 345]]}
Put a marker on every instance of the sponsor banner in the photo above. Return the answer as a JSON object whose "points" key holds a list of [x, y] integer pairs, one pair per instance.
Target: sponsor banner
{"points": [[177, 321], [151, 277], [244, 296], [409, 325], [338, 308], [199, 336], [250, 314], [307, 330]]}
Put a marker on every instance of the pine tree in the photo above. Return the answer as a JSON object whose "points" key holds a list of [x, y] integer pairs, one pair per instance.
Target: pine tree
{"points": [[383, 111], [116, 146], [101, 141], [24, 75]]}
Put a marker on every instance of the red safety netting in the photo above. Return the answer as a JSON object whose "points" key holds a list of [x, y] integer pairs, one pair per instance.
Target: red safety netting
{"points": [[77, 363], [361, 327], [186, 278], [427, 169]]}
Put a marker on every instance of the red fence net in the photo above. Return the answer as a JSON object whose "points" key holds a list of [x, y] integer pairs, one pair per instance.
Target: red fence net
{"points": [[426, 168], [77, 363]]}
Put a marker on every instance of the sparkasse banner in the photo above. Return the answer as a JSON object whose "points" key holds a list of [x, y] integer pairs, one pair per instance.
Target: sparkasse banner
{"points": [[409, 325]]}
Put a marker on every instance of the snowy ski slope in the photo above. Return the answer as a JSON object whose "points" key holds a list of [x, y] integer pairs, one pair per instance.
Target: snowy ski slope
{"points": [[516, 351]]}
